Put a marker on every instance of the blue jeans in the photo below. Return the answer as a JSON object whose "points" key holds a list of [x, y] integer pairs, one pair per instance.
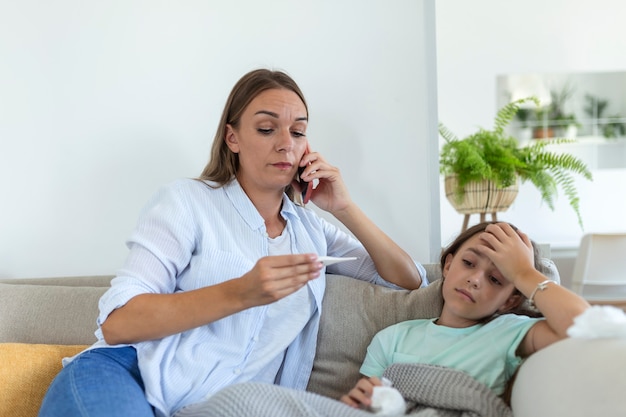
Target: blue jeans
{"points": [[103, 382]]}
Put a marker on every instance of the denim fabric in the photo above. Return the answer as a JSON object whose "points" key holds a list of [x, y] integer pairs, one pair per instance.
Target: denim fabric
{"points": [[101, 382]]}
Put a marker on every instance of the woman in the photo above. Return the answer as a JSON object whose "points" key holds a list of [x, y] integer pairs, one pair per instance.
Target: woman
{"points": [[222, 283]]}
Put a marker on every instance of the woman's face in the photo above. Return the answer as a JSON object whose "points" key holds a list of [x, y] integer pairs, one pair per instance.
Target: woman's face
{"points": [[473, 288], [270, 140]]}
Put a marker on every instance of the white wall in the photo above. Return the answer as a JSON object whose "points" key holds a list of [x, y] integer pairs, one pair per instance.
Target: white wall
{"points": [[102, 102], [477, 41]]}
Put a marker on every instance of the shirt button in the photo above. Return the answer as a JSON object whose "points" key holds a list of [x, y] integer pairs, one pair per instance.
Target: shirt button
{"points": [[237, 371], [255, 339]]}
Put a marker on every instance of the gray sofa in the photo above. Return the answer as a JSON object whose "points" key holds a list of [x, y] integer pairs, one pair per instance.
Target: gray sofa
{"points": [[42, 320]]}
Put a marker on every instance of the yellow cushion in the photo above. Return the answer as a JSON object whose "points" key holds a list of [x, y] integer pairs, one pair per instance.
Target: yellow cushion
{"points": [[25, 374]]}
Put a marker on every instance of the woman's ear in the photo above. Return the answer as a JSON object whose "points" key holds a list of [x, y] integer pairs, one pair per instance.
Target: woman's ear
{"points": [[514, 301], [231, 139]]}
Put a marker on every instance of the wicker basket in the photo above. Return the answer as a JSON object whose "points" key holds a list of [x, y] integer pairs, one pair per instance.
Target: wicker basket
{"points": [[480, 197]]}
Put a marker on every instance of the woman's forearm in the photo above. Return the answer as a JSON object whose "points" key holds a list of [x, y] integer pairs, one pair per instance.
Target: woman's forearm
{"points": [[153, 316]]}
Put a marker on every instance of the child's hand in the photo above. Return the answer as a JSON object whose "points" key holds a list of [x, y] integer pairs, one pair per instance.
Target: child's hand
{"points": [[510, 250], [361, 395]]}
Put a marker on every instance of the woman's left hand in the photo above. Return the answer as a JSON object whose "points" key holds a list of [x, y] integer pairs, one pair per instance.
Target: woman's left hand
{"points": [[331, 193]]}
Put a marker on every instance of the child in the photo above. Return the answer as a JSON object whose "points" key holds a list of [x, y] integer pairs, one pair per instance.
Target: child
{"points": [[488, 272]]}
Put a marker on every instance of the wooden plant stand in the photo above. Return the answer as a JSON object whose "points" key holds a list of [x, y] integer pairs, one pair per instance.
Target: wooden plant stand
{"points": [[483, 217]]}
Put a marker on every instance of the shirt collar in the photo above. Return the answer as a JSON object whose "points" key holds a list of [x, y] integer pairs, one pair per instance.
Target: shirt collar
{"points": [[246, 209]]}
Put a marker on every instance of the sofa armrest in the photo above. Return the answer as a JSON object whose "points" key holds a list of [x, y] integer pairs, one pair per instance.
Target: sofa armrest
{"points": [[573, 377]]}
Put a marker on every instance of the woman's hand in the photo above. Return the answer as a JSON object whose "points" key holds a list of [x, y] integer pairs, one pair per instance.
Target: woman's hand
{"points": [[361, 395], [331, 193], [275, 277]]}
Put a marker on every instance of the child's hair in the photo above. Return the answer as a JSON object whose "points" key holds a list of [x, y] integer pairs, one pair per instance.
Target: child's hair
{"points": [[464, 236]]}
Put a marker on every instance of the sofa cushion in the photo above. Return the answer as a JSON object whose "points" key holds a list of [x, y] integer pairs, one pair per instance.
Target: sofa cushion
{"points": [[49, 314], [26, 372], [353, 312]]}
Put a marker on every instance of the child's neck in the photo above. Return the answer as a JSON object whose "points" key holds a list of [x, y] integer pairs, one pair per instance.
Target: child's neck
{"points": [[449, 320]]}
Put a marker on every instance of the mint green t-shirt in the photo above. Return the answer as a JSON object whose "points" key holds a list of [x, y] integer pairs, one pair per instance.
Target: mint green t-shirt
{"points": [[484, 351]]}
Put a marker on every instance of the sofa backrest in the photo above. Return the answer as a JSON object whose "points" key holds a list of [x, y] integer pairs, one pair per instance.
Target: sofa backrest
{"points": [[50, 310], [353, 312]]}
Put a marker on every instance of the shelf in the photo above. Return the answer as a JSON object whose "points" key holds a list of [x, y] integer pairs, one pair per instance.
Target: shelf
{"points": [[596, 152]]}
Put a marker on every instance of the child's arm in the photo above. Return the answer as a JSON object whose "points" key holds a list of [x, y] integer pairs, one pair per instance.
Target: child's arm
{"points": [[511, 252], [361, 395], [557, 304]]}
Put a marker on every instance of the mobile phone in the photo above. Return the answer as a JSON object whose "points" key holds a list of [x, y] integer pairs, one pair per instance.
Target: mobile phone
{"points": [[306, 187]]}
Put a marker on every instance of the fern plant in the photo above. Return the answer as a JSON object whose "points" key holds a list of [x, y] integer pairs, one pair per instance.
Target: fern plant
{"points": [[495, 156]]}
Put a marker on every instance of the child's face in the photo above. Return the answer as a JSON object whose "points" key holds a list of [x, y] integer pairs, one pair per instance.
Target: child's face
{"points": [[473, 288]]}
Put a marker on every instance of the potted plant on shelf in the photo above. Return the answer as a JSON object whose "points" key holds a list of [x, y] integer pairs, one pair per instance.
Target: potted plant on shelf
{"points": [[612, 126], [552, 120], [483, 170]]}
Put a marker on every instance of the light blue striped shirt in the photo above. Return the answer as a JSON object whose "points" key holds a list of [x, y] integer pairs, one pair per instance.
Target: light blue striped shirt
{"points": [[191, 235]]}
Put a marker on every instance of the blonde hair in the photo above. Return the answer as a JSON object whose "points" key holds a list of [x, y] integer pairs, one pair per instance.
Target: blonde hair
{"points": [[223, 164]]}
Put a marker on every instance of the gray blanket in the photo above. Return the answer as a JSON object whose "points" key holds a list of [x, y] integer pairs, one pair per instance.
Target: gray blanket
{"points": [[437, 391], [430, 391]]}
